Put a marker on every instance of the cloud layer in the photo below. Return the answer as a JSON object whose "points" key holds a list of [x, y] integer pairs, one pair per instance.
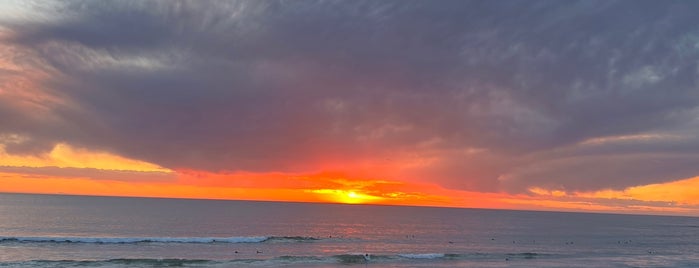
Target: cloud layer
{"points": [[472, 95]]}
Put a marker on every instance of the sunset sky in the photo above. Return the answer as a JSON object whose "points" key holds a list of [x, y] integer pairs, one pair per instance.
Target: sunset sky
{"points": [[543, 105]]}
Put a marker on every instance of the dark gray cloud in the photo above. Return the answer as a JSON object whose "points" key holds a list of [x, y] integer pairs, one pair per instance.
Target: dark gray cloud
{"points": [[502, 95]]}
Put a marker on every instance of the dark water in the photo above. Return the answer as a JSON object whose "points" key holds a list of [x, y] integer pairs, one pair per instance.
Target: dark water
{"points": [[76, 231]]}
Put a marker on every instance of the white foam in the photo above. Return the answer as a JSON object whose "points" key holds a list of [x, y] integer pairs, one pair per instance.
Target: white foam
{"points": [[126, 240], [422, 256]]}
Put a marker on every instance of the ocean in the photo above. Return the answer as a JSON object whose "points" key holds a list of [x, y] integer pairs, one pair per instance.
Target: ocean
{"points": [[83, 231]]}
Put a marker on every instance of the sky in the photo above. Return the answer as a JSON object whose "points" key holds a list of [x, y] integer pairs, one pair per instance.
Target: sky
{"points": [[542, 105]]}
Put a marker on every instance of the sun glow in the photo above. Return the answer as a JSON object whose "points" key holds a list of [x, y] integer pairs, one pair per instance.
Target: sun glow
{"points": [[347, 196], [352, 197]]}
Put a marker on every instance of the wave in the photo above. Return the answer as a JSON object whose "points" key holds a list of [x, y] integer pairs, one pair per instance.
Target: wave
{"points": [[353, 258], [344, 259], [291, 239], [525, 255], [112, 263], [133, 240], [365, 258], [424, 256]]}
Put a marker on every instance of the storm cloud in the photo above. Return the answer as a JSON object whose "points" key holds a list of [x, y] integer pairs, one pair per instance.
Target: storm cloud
{"points": [[489, 95]]}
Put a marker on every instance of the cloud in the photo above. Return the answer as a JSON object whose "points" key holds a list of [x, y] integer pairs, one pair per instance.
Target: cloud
{"points": [[89, 173], [65, 156], [476, 95]]}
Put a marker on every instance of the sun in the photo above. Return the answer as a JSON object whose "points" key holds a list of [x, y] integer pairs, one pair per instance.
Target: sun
{"points": [[353, 197], [347, 196]]}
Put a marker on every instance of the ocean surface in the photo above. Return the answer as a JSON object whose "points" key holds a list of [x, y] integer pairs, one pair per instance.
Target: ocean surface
{"points": [[79, 231]]}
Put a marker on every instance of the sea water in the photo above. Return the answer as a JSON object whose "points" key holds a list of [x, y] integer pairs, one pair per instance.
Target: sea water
{"points": [[80, 231]]}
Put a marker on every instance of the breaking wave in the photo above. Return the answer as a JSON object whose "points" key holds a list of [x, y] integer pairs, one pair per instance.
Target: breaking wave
{"points": [[133, 240], [344, 259]]}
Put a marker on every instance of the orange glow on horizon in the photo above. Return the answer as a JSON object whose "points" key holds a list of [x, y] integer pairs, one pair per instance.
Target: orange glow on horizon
{"points": [[429, 196], [16, 175]]}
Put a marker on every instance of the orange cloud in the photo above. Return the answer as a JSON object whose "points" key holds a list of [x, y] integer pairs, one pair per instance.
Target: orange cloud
{"points": [[65, 156], [82, 186], [677, 197], [682, 192]]}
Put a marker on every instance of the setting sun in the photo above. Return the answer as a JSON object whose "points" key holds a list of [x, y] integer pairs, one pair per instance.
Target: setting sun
{"points": [[351, 197], [346, 196]]}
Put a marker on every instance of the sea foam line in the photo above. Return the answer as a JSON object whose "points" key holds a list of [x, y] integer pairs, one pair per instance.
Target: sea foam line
{"points": [[129, 240], [423, 256]]}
